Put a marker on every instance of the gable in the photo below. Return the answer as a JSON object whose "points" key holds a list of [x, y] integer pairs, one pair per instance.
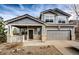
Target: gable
{"points": [[53, 15], [47, 14], [60, 14], [25, 21], [56, 11]]}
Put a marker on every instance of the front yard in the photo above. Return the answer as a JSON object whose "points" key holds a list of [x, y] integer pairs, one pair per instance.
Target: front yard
{"points": [[28, 50]]}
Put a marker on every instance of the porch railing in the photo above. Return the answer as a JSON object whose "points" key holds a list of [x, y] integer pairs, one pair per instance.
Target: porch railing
{"points": [[15, 38]]}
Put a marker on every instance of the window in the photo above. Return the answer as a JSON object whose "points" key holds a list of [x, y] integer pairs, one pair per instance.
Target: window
{"points": [[23, 31], [60, 21], [16, 31], [49, 18], [62, 17], [63, 21]]}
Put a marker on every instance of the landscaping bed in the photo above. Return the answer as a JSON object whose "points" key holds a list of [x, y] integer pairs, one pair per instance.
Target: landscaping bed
{"points": [[29, 50]]}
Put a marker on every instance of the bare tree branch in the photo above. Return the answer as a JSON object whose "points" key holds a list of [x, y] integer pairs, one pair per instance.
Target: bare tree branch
{"points": [[75, 9]]}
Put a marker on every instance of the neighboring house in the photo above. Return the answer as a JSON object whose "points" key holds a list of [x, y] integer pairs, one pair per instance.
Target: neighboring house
{"points": [[76, 22], [77, 27], [51, 25]]}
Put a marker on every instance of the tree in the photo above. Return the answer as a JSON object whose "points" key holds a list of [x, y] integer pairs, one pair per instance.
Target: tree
{"points": [[2, 29], [73, 9]]}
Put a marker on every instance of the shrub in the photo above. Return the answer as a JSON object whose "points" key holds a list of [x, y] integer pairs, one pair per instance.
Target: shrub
{"points": [[3, 38]]}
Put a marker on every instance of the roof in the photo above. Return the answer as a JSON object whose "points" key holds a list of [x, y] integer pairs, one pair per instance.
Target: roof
{"points": [[74, 21], [56, 10], [36, 19], [62, 12], [21, 17]]}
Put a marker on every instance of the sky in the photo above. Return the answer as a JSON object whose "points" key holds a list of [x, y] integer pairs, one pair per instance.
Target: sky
{"points": [[9, 11]]}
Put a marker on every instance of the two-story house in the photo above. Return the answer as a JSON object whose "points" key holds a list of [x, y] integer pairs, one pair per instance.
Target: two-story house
{"points": [[52, 24]]}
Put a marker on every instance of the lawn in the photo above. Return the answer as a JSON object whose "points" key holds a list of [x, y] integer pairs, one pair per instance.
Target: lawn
{"points": [[30, 50]]}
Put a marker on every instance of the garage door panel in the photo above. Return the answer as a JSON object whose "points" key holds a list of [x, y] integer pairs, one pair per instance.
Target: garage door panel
{"points": [[58, 35]]}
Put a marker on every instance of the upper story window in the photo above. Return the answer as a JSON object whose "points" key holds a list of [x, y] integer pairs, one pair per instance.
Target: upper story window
{"points": [[49, 18], [61, 19]]}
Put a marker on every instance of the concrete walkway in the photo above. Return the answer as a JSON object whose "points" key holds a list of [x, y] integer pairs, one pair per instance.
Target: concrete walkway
{"points": [[61, 45]]}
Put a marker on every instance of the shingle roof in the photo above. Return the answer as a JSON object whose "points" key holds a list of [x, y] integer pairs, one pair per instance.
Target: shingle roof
{"points": [[56, 10], [37, 19], [21, 17]]}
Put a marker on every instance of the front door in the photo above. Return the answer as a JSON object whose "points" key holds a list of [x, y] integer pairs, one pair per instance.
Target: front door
{"points": [[30, 34]]}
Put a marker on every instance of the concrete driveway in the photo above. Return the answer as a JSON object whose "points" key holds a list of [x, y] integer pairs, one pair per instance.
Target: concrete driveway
{"points": [[61, 45], [66, 46]]}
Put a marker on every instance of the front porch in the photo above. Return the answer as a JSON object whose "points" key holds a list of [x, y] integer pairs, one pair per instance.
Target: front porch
{"points": [[20, 33]]}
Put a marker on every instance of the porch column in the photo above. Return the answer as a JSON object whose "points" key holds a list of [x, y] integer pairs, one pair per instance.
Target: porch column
{"points": [[10, 38], [27, 33], [44, 33], [11, 31], [73, 34], [8, 35]]}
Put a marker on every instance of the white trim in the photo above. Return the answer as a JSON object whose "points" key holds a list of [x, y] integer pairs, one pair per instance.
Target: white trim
{"points": [[26, 24], [33, 32], [28, 33]]}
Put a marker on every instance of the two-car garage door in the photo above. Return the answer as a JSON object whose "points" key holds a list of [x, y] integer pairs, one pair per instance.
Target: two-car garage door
{"points": [[58, 35]]}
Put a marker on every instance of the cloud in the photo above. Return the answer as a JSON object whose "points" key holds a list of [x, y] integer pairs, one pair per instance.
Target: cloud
{"points": [[7, 16], [8, 11]]}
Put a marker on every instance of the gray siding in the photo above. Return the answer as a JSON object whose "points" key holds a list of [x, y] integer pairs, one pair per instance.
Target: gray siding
{"points": [[25, 21], [55, 17]]}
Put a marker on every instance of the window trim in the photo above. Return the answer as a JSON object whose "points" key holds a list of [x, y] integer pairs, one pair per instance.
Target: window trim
{"points": [[49, 18], [61, 18], [61, 21]]}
